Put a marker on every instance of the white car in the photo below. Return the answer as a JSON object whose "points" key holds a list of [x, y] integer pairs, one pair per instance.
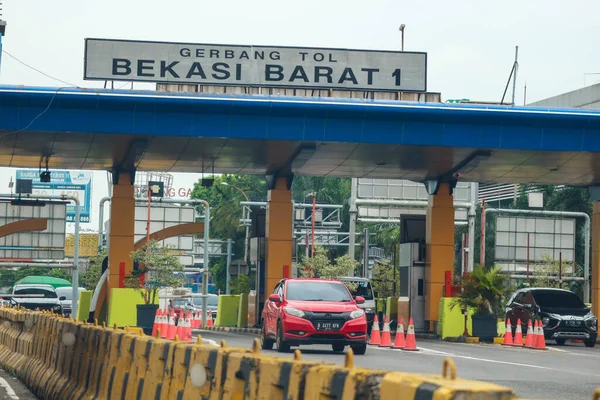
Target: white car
{"points": [[65, 296]]}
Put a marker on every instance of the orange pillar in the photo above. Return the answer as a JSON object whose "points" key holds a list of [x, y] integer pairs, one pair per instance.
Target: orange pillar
{"points": [[595, 270], [122, 215], [440, 250], [279, 230]]}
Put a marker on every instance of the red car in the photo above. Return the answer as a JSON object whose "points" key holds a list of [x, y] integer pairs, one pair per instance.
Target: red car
{"points": [[313, 311]]}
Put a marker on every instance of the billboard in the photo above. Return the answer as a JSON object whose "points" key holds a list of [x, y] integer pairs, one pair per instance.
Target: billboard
{"points": [[165, 216], [262, 66], [64, 183], [523, 239], [31, 246], [397, 189]]}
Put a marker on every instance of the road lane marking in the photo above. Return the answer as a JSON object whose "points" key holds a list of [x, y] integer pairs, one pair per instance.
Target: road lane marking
{"points": [[8, 389]]}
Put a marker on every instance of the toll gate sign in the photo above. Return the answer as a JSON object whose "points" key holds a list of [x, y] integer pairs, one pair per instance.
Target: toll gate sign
{"points": [[262, 66]]}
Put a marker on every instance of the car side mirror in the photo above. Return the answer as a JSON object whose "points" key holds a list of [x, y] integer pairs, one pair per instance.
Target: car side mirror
{"points": [[274, 297], [360, 300], [61, 298]]}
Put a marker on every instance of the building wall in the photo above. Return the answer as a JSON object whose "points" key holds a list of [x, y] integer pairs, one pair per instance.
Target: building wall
{"points": [[587, 97]]}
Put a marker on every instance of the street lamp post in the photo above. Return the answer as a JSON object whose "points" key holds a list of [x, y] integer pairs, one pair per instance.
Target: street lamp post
{"points": [[401, 29], [246, 239]]}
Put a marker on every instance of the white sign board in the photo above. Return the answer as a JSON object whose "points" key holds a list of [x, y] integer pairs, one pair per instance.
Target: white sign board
{"points": [[263, 66], [162, 217], [522, 239], [397, 189], [31, 246]]}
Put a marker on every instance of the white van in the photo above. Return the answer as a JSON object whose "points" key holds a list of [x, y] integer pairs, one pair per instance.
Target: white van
{"points": [[65, 296], [362, 287]]}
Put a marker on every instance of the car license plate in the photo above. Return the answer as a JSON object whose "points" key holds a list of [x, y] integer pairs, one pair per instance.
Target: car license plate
{"points": [[328, 326], [573, 323]]}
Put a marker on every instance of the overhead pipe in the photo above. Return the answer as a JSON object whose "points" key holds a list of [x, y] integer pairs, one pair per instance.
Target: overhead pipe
{"points": [[575, 214]]}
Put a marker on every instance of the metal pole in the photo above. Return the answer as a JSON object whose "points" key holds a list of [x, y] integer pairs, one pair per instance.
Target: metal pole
{"points": [[560, 267], [528, 257], [471, 221], [482, 244], [516, 68], [147, 277], [353, 214], [205, 261], [366, 252], [246, 243], [314, 210], [306, 245], [75, 300], [228, 276], [586, 267], [101, 222]]}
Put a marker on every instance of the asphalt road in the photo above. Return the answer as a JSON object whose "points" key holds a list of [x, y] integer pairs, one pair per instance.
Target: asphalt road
{"points": [[562, 372], [13, 389]]}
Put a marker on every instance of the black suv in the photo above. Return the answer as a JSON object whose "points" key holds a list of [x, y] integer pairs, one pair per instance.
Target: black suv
{"points": [[563, 314]]}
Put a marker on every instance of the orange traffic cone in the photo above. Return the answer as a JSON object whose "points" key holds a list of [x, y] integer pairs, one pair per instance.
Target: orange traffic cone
{"points": [[386, 336], [195, 322], [187, 328], [411, 341], [518, 342], [541, 340], [530, 338], [171, 327], [157, 322], [375, 338], [508, 339], [399, 342], [179, 331], [209, 319], [164, 323]]}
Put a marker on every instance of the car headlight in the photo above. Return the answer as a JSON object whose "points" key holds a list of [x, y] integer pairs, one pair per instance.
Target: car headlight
{"points": [[56, 308], [357, 314], [369, 310], [294, 312], [545, 321], [591, 321]]}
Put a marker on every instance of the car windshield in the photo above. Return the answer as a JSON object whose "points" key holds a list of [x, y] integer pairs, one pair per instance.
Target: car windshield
{"points": [[360, 288], [211, 301], [180, 302], [317, 291], [557, 299], [48, 294]]}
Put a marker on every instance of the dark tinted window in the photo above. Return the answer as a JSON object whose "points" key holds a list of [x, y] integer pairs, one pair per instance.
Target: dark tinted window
{"points": [[358, 288], [33, 291], [317, 291], [210, 300], [557, 299]]}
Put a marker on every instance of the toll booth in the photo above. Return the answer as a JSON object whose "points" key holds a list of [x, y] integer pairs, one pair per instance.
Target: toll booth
{"points": [[412, 280]]}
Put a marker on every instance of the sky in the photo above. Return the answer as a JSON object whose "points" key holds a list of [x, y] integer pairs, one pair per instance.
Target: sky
{"points": [[470, 43]]}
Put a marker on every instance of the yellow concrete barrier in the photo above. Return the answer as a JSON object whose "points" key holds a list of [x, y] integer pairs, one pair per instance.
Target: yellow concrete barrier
{"points": [[59, 358]]}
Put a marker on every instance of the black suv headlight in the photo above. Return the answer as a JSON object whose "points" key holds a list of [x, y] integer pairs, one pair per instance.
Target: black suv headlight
{"points": [[592, 322]]}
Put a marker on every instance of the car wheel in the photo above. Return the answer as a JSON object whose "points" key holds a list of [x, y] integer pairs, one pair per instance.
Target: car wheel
{"points": [[589, 343], [265, 342], [360, 349], [560, 342], [338, 348], [282, 347]]}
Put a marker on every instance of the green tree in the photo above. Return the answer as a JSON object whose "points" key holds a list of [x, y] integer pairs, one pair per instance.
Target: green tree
{"points": [[240, 284], [484, 290], [329, 190], [385, 282], [320, 266], [546, 274], [161, 265], [224, 199], [218, 272], [90, 278], [60, 273]]}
